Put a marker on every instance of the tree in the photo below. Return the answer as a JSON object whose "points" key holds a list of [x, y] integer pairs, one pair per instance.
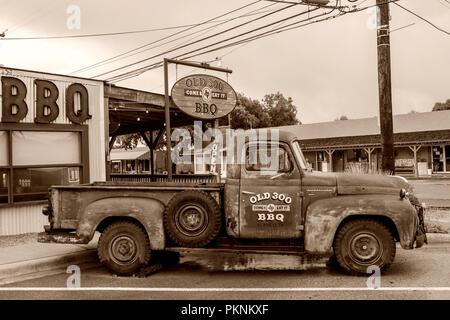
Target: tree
{"points": [[343, 117], [282, 111], [128, 141], [249, 113], [273, 111], [438, 106]]}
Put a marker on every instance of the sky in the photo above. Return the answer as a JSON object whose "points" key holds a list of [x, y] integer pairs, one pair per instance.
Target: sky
{"points": [[328, 68]]}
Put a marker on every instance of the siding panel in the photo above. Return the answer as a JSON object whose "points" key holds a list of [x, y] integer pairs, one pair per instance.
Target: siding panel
{"points": [[22, 219]]}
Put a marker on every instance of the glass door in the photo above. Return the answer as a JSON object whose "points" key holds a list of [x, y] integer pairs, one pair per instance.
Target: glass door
{"points": [[437, 156]]}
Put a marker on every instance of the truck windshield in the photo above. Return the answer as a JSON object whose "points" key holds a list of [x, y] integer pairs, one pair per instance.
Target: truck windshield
{"points": [[299, 155]]}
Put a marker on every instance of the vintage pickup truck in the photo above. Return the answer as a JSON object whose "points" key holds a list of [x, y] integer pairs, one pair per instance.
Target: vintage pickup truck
{"points": [[354, 218]]}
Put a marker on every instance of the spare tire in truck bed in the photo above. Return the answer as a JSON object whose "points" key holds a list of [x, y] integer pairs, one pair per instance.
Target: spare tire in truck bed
{"points": [[192, 219]]}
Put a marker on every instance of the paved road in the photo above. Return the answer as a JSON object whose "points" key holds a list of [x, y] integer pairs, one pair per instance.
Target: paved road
{"points": [[429, 189], [425, 268]]}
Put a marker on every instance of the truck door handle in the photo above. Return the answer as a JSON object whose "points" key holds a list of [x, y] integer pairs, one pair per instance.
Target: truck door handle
{"points": [[247, 192]]}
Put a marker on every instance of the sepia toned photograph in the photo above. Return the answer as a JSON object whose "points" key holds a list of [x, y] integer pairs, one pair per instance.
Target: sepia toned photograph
{"points": [[225, 155]]}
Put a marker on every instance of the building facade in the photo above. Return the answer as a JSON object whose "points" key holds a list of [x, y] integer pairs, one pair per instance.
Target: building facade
{"points": [[421, 144], [52, 132]]}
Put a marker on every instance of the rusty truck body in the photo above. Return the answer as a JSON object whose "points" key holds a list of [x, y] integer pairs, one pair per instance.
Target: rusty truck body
{"points": [[356, 218]]}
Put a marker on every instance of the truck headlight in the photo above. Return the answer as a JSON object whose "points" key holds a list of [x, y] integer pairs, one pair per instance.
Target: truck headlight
{"points": [[403, 193]]}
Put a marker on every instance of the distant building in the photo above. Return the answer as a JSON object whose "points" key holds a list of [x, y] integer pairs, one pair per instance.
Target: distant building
{"points": [[421, 144]]}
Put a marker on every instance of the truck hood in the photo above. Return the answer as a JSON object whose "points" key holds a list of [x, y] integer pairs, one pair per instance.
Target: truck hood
{"points": [[369, 183]]}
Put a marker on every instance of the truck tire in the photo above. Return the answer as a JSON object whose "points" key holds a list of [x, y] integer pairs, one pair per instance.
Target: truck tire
{"points": [[124, 248], [192, 219], [362, 243]]}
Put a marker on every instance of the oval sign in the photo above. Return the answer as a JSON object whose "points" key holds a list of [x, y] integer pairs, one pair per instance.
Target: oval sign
{"points": [[203, 96]]}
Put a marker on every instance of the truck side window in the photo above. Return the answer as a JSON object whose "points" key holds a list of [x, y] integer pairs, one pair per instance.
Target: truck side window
{"points": [[261, 159]]}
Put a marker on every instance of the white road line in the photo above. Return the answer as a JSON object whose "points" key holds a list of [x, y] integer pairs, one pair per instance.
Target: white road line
{"points": [[225, 289]]}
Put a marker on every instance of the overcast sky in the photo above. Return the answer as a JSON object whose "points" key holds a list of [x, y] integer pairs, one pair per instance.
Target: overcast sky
{"points": [[328, 68]]}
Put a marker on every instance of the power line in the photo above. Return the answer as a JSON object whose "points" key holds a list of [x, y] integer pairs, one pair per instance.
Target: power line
{"points": [[197, 41], [112, 33], [422, 18], [230, 38], [445, 4], [165, 38], [101, 34], [242, 41], [236, 43], [141, 70], [201, 31]]}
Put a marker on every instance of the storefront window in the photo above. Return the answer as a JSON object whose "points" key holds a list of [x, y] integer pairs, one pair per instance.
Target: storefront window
{"points": [[3, 148], [39, 160], [32, 184], [37, 148], [3, 186]]}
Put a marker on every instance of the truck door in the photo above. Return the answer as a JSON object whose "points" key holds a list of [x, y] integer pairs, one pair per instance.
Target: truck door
{"points": [[270, 195]]}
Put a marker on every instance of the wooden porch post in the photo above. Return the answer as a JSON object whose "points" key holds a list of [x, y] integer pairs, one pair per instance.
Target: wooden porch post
{"points": [[317, 162], [330, 156], [369, 151], [108, 144], [414, 149], [152, 166]]}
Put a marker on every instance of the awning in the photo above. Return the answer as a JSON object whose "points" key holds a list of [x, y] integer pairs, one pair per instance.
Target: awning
{"points": [[130, 154]]}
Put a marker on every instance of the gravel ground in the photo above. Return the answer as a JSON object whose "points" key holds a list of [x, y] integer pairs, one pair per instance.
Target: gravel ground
{"points": [[9, 241]]}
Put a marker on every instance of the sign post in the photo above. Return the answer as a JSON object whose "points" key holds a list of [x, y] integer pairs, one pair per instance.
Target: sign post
{"points": [[198, 99]]}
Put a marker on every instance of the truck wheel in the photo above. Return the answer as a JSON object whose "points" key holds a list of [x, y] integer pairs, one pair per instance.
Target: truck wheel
{"points": [[362, 243], [124, 248], [192, 219]]}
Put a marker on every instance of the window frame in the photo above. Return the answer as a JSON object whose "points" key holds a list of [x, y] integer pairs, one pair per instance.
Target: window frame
{"points": [[284, 146], [84, 152]]}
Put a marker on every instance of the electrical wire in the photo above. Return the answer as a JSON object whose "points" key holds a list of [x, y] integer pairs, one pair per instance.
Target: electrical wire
{"points": [[233, 37], [102, 34], [422, 18], [158, 64], [242, 41], [197, 41], [199, 32], [166, 37], [117, 33]]}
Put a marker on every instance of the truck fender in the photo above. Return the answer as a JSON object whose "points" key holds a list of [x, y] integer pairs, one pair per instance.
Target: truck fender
{"points": [[149, 212], [323, 218]]}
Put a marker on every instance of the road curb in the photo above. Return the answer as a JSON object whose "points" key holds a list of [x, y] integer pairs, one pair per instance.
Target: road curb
{"points": [[22, 268]]}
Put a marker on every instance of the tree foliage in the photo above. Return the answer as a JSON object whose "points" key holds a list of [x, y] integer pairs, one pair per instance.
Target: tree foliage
{"points": [[438, 106], [281, 111], [273, 111], [128, 141]]}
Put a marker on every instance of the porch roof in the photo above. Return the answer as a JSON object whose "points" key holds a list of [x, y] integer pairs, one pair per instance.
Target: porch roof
{"points": [[403, 123]]}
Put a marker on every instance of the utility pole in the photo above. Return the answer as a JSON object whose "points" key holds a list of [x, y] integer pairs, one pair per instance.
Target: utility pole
{"points": [[384, 87]]}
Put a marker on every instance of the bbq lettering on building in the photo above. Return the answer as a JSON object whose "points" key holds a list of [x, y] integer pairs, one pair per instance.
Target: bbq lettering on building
{"points": [[46, 105], [204, 96]]}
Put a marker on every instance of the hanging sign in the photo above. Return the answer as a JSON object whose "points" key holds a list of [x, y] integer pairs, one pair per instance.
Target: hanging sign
{"points": [[203, 96]]}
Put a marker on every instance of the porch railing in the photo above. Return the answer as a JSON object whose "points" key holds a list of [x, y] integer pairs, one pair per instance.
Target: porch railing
{"points": [[185, 178]]}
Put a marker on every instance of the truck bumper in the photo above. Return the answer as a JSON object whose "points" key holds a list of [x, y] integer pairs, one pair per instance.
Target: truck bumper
{"points": [[60, 237], [421, 236]]}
